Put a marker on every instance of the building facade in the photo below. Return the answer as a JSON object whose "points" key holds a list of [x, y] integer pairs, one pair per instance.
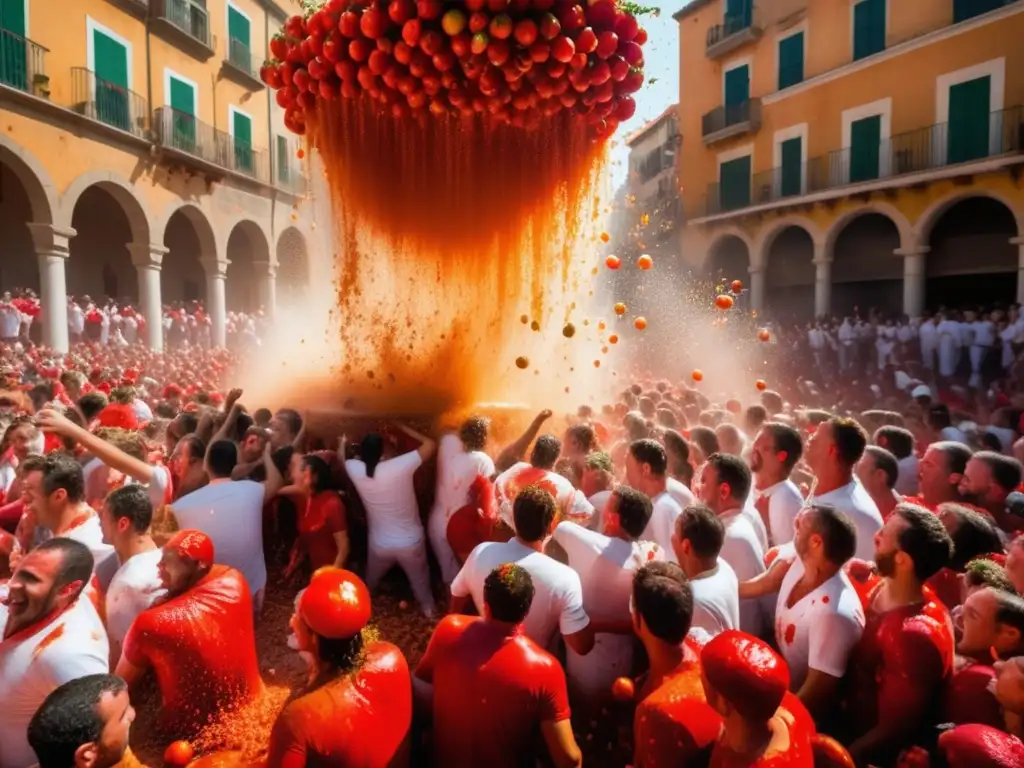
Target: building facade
{"points": [[142, 158], [855, 153], [654, 181]]}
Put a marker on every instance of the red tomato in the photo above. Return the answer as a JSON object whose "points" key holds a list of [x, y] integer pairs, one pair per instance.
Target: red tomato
{"points": [[697, 375], [620, 308], [411, 31], [607, 44], [613, 339], [348, 24], [645, 262], [764, 335], [613, 262], [428, 9], [623, 689], [586, 41], [453, 22], [279, 47], [761, 385], [641, 36], [400, 11], [178, 754], [640, 323], [626, 26], [724, 301], [500, 27], [374, 23], [572, 17], [526, 32]]}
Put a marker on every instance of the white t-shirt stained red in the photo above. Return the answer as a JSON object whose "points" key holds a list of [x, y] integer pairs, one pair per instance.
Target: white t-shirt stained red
{"points": [[662, 524], [134, 588]]}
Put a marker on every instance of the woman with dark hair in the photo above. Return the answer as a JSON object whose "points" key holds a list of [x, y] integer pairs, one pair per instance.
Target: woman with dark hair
{"points": [[322, 524], [384, 483]]}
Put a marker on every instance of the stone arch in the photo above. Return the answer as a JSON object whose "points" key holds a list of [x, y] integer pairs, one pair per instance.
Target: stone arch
{"points": [[192, 247], [729, 255], [891, 212], [120, 189], [866, 272], [248, 254], [787, 253], [293, 268], [926, 221], [39, 186], [766, 237], [27, 196]]}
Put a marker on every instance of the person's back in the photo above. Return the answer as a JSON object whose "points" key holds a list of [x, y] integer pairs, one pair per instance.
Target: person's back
{"points": [[492, 690], [389, 497]]}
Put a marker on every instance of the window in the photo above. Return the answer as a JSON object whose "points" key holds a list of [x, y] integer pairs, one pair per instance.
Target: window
{"points": [[734, 183], [739, 14], [13, 50], [865, 148], [241, 131], [239, 44], [737, 94], [868, 28], [284, 167], [791, 60], [182, 98], [110, 64], [968, 9], [970, 108], [792, 171]]}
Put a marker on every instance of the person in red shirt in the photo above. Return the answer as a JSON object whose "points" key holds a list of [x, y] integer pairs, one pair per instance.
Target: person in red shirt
{"points": [[673, 723], [322, 524], [766, 726], [357, 706], [474, 523], [200, 641], [896, 672], [492, 691]]}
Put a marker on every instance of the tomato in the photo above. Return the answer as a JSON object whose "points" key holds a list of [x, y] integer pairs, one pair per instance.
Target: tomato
{"points": [[697, 375], [569, 330], [736, 286], [374, 23], [475, 5], [359, 50], [285, 98], [563, 49], [640, 323], [612, 261], [625, 108], [348, 24], [411, 31], [498, 52], [179, 754], [453, 22], [601, 14], [461, 44], [479, 43], [301, 80], [500, 27], [497, 6], [269, 75], [295, 27], [428, 9], [333, 47], [607, 44], [641, 36], [586, 41], [328, 89], [431, 42], [279, 47], [526, 32], [522, 363], [443, 61], [620, 308], [400, 11], [631, 83], [378, 62], [761, 385], [763, 334], [626, 26], [613, 339], [645, 262], [572, 17], [724, 301]]}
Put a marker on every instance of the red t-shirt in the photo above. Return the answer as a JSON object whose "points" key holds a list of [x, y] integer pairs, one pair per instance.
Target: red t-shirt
{"points": [[900, 663], [946, 586], [358, 720], [793, 731], [323, 516], [202, 648], [981, 746], [967, 699], [492, 690]]}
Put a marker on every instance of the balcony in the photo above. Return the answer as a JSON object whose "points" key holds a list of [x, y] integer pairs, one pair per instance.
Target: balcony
{"points": [[23, 65], [241, 66], [736, 30], [108, 103], [193, 142], [291, 179], [137, 8], [186, 24], [725, 122], [910, 157]]}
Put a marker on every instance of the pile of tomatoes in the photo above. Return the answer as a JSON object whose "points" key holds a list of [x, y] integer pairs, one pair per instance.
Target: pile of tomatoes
{"points": [[511, 61]]}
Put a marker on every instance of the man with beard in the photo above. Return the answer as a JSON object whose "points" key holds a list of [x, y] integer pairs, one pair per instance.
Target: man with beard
{"points": [[357, 705], [85, 723], [200, 641], [775, 452], [51, 635], [939, 473], [987, 480], [896, 672]]}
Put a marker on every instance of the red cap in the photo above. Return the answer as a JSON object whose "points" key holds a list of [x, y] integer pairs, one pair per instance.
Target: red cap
{"points": [[751, 676], [195, 545], [120, 415], [336, 604]]}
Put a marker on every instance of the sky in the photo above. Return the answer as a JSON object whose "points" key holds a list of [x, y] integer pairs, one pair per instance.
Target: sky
{"points": [[661, 65]]}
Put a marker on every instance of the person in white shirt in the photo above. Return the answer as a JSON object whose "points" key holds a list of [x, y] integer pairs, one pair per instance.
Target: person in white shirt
{"points": [[949, 334], [606, 563], [460, 460], [847, 338], [832, 453], [10, 320], [724, 486], [983, 338], [878, 471], [51, 634], [900, 443], [776, 450], [76, 320], [597, 482], [540, 471], [646, 468], [230, 512], [385, 486], [558, 596], [697, 542], [125, 519], [928, 334]]}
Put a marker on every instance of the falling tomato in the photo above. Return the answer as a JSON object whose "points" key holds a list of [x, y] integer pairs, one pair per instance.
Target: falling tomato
{"points": [[623, 689], [620, 308], [534, 326], [613, 339], [764, 335], [761, 385], [178, 754], [569, 330], [524, 319], [645, 262], [697, 375], [724, 301], [645, 220], [522, 363], [301, 153], [597, 363], [600, 325], [604, 237], [613, 262], [737, 286], [640, 323]]}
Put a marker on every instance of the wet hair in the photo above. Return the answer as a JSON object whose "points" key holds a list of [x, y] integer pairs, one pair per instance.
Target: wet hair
{"points": [[61, 472], [925, 540], [647, 407], [886, 462], [131, 502], [634, 510], [733, 471], [196, 447], [67, 719], [323, 478], [982, 572], [1006, 470], [127, 440], [975, 535], [599, 460], [837, 531], [371, 449], [189, 421], [849, 438], [222, 458], [663, 598], [342, 652], [703, 529], [584, 435], [956, 454], [291, 418], [651, 453], [545, 452], [76, 561], [706, 440], [1010, 611], [473, 433], [787, 440], [897, 440], [533, 511], [282, 458], [91, 403], [508, 593]]}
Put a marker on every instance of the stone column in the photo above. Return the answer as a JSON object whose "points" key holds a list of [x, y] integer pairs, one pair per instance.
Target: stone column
{"points": [[757, 288], [266, 273], [52, 250], [1019, 242], [822, 280], [913, 278], [216, 273], [147, 258]]}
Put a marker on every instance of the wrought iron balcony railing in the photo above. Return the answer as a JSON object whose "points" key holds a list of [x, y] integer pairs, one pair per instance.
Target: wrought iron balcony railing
{"points": [[23, 64], [108, 103], [184, 133]]}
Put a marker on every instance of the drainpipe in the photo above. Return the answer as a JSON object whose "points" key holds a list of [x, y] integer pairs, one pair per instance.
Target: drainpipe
{"points": [[271, 139], [149, 80]]}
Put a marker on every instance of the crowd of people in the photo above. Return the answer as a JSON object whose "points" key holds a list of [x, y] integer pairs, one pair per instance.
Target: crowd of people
{"points": [[739, 583]]}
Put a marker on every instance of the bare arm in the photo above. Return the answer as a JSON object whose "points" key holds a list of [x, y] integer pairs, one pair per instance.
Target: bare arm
{"points": [[204, 429], [128, 671], [427, 445], [226, 427], [515, 452], [341, 540], [113, 457], [767, 583], [561, 744], [274, 480], [581, 642], [300, 438]]}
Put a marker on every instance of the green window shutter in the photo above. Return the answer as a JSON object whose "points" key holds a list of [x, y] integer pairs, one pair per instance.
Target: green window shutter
{"points": [[183, 102], [734, 183], [183, 97], [737, 86], [242, 126], [792, 167], [239, 46], [791, 60], [970, 108], [283, 166], [13, 51], [865, 148], [868, 28], [968, 9], [739, 14], [110, 59]]}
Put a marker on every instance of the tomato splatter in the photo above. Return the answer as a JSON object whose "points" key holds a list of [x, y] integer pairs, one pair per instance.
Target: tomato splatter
{"points": [[790, 634]]}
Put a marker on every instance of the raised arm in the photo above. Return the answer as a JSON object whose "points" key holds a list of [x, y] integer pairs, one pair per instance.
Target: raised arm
{"points": [[52, 421], [515, 452], [427, 444]]}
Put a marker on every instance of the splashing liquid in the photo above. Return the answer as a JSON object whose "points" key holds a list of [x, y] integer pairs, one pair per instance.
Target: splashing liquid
{"points": [[449, 230]]}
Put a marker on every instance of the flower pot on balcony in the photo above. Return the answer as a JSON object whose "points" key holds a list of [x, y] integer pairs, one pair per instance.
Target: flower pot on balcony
{"points": [[41, 85]]}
